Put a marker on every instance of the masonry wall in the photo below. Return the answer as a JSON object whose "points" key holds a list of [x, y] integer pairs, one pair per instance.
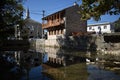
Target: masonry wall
{"points": [[65, 42], [73, 22], [90, 43], [38, 31]]}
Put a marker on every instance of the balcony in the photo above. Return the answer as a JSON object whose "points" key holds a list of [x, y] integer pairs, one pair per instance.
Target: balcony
{"points": [[51, 23]]}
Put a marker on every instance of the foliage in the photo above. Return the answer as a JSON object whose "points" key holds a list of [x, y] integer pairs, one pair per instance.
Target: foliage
{"points": [[117, 25], [96, 8], [11, 12], [25, 33]]}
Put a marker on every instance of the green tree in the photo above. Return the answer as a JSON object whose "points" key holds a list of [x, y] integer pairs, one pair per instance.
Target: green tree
{"points": [[96, 8], [11, 14], [25, 33], [117, 25]]}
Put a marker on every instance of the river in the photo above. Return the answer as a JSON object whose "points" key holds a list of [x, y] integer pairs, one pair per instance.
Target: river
{"points": [[57, 64]]}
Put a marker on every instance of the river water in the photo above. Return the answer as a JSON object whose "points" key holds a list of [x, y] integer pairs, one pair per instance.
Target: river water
{"points": [[57, 64]]}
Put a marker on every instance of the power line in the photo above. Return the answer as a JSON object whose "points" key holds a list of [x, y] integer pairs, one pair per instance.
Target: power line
{"points": [[49, 11], [35, 10], [35, 13]]}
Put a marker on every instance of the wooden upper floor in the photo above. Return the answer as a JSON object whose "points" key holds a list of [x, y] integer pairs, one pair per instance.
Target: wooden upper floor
{"points": [[55, 19]]}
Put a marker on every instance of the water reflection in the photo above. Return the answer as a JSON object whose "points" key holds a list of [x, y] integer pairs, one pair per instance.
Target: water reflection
{"points": [[55, 64], [96, 73], [75, 65], [21, 65], [62, 57]]}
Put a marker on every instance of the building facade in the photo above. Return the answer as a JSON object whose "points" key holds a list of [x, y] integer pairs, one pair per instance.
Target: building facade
{"points": [[64, 23], [101, 28], [31, 28]]}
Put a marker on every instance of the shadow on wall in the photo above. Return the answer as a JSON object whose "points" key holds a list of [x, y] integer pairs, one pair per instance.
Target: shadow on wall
{"points": [[84, 43]]}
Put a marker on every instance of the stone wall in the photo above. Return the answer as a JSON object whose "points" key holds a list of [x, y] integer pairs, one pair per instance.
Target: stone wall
{"points": [[36, 43], [80, 42], [87, 43], [73, 22]]}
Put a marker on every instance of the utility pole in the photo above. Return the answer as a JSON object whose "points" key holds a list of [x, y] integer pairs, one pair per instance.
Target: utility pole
{"points": [[43, 22], [43, 15]]}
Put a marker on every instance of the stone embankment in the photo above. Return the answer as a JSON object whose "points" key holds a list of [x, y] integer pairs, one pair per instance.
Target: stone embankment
{"points": [[87, 43]]}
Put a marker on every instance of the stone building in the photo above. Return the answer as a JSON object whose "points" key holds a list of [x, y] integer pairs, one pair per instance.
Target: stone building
{"points": [[64, 23], [31, 28]]}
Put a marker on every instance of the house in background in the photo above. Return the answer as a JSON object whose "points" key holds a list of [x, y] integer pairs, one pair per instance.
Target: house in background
{"points": [[31, 28], [64, 22], [101, 28]]}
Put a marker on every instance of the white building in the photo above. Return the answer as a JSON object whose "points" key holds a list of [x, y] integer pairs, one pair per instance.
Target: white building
{"points": [[100, 28]]}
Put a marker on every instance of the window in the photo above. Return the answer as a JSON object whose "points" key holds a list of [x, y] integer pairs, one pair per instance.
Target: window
{"points": [[31, 28], [31, 32], [105, 27], [99, 27], [90, 28]]}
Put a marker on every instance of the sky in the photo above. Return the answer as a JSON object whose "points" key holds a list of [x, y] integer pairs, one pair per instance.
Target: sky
{"points": [[51, 6]]}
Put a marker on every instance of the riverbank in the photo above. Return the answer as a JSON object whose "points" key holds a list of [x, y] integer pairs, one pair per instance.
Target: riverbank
{"points": [[14, 45]]}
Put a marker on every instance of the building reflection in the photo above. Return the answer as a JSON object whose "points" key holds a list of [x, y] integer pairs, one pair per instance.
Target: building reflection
{"points": [[61, 57], [30, 57], [64, 65]]}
